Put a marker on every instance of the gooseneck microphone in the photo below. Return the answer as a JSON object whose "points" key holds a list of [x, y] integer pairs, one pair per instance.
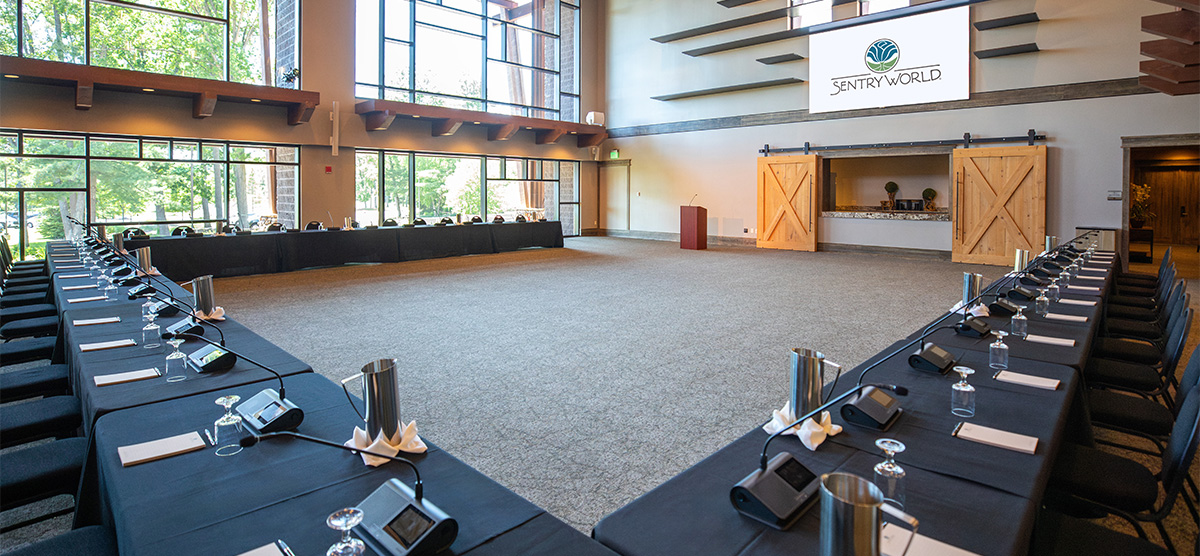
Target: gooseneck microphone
{"points": [[187, 335], [252, 439], [149, 293]]}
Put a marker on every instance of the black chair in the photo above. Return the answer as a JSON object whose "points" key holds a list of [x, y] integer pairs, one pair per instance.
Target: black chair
{"points": [[1138, 416], [1090, 478], [314, 225], [498, 219], [39, 472], [1146, 299], [1136, 350], [419, 222], [17, 300], [12, 314], [29, 328], [182, 231], [1144, 314], [1055, 534], [53, 417], [93, 540], [1153, 331], [275, 227], [230, 229], [1144, 380], [37, 382], [390, 222], [131, 233], [1146, 280]]}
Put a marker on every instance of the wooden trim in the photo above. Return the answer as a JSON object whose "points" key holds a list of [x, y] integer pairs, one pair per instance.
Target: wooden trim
{"points": [[1181, 26], [1173, 140], [909, 252], [1171, 52], [1170, 72], [731, 89], [204, 92], [735, 3], [1191, 5], [1173, 89], [1031, 95], [378, 115]]}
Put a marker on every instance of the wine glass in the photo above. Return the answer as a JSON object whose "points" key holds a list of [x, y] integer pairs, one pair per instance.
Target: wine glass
{"points": [[176, 362], [889, 477], [151, 333], [1065, 278], [344, 520], [962, 395], [1020, 323], [998, 351], [110, 290], [227, 431], [1054, 290], [147, 309], [1042, 303]]}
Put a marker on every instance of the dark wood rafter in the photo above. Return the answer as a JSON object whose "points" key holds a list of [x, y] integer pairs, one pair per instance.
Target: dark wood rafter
{"points": [[1173, 89], [1181, 26], [1192, 5], [378, 115], [1174, 67], [1170, 72], [204, 92], [735, 3], [1171, 52]]}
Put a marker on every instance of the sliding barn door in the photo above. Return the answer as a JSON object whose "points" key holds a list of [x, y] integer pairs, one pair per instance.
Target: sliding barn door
{"points": [[999, 203], [787, 202]]}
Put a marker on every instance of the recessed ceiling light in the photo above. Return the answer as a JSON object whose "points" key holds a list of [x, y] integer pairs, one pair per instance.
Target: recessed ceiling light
{"points": [[476, 123], [147, 89], [11, 76], [255, 100], [528, 127], [416, 116]]}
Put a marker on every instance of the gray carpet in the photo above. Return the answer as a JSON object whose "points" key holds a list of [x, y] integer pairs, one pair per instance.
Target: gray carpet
{"points": [[583, 377]]}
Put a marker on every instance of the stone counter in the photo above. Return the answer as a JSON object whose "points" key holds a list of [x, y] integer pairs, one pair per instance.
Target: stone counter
{"points": [[935, 216]]}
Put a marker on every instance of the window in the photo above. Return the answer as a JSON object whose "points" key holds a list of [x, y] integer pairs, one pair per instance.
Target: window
{"points": [[458, 186], [150, 183], [247, 41], [516, 58]]}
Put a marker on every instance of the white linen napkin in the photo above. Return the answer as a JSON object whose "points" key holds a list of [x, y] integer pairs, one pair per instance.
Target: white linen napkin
{"points": [[811, 433], [1027, 380], [1083, 288], [128, 376], [217, 314], [409, 442], [68, 267], [159, 449], [996, 437]]}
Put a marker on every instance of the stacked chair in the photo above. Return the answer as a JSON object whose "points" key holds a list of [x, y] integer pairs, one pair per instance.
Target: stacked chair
{"points": [[1132, 388], [40, 431]]}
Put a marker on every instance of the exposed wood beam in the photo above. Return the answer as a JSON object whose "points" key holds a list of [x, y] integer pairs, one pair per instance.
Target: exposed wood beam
{"points": [[1173, 89], [83, 95], [1170, 72], [85, 79], [549, 136], [1193, 5], [445, 127], [1182, 26], [586, 140], [1172, 52], [502, 132], [204, 104], [379, 120]]}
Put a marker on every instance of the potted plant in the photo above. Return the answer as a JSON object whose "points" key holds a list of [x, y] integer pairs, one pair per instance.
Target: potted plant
{"points": [[929, 195], [1139, 205], [891, 188]]}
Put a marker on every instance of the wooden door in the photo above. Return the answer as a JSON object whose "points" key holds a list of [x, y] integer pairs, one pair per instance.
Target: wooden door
{"points": [[787, 202], [999, 203]]}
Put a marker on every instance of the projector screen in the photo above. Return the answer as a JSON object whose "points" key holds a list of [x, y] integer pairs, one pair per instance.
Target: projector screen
{"points": [[910, 60]]}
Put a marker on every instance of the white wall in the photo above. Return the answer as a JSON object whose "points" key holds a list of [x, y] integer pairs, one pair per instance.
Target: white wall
{"points": [[860, 181]]}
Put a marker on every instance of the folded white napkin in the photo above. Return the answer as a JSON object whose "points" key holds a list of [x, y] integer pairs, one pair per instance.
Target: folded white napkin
{"points": [[811, 433], [97, 346], [997, 438], [409, 442], [265, 550], [68, 267], [979, 311], [1027, 380], [128, 376], [159, 449]]}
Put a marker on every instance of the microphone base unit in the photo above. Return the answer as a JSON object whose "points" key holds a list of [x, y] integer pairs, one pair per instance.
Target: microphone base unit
{"points": [[1030, 280], [779, 495], [973, 327], [1022, 293], [164, 309], [142, 288], [187, 325], [1043, 273], [1002, 307], [211, 359], [266, 412], [931, 359], [873, 409], [396, 522], [123, 271]]}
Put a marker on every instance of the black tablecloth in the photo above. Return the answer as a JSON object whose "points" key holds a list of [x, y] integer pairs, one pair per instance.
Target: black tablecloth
{"points": [[184, 258], [198, 503]]}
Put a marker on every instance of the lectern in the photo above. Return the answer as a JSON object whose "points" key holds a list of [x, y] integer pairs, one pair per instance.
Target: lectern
{"points": [[693, 227]]}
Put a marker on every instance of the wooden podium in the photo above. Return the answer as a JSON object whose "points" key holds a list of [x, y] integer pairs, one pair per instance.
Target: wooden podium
{"points": [[693, 228]]}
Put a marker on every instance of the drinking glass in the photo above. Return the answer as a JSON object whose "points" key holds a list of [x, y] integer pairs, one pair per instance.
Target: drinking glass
{"points": [[100, 277], [176, 362], [1054, 290], [1020, 324], [344, 520], [151, 335], [1073, 268], [227, 431], [962, 395], [889, 477], [1042, 303], [146, 312], [1064, 277], [998, 351], [110, 289]]}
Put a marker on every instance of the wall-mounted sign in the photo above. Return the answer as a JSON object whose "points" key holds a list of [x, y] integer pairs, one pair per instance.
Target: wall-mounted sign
{"points": [[910, 60]]}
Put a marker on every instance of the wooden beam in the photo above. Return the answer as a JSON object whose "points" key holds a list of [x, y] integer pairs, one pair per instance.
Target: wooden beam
{"points": [[204, 104], [1182, 26], [502, 132], [301, 112], [446, 127], [1192, 5], [83, 95], [585, 140], [1172, 52], [1170, 72], [549, 136], [1173, 89], [379, 120]]}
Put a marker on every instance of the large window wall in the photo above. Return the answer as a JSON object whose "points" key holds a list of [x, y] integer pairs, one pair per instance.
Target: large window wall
{"points": [[247, 41], [403, 186], [516, 58], [155, 184]]}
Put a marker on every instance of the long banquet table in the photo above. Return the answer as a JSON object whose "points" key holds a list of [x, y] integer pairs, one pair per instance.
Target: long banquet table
{"points": [[184, 258], [199, 503], [972, 496]]}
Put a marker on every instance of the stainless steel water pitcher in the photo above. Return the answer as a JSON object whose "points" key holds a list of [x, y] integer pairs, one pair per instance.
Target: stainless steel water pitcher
{"points": [[143, 258], [1051, 242], [807, 376], [381, 393], [202, 289], [851, 516], [972, 285], [119, 242], [1020, 260]]}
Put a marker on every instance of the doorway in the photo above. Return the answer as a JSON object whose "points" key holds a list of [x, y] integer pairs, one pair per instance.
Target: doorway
{"points": [[1163, 199], [614, 195]]}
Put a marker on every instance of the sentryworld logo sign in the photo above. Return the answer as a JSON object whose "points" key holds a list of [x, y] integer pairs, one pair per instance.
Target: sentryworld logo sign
{"points": [[861, 67]]}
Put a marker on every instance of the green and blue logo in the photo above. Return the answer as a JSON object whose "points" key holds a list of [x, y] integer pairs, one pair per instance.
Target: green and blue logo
{"points": [[882, 55]]}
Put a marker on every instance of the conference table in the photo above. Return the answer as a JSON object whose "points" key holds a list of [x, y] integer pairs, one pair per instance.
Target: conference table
{"points": [[200, 503], [973, 496], [184, 258]]}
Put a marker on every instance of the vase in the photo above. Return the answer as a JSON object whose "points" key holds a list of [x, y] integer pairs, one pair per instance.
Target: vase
{"points": [[930, 205], [1136, 223], [891, 202]]}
